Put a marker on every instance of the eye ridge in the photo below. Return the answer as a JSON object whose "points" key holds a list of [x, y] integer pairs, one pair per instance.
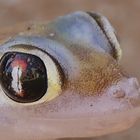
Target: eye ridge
{"points": [[20, 79]]}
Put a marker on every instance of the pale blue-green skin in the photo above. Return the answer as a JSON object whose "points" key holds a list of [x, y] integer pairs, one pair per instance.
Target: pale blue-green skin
{"points": [[81, 48]]}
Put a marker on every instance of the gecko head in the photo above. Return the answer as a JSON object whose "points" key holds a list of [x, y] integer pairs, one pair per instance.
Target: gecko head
{"points": [[57, 82]]}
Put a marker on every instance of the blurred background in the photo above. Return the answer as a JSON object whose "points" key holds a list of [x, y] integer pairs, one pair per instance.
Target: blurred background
{"points": [[123, 14]]}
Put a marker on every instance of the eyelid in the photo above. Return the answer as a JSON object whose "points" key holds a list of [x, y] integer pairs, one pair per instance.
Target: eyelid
{"points": [[56, 76]]}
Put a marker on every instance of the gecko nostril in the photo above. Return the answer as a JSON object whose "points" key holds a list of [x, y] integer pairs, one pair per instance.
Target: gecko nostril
{"points": [[119, 94]]}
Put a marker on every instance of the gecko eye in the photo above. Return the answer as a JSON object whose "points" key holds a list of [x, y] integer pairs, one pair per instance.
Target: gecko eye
{"points": [[26, 78], [23, 77]]}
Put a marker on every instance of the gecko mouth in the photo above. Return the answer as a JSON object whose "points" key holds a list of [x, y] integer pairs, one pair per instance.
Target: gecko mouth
{"points": [[61, 128]]}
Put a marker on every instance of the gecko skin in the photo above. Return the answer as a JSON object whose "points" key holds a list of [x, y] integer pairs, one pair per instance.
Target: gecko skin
{"points": [[88, 93]]}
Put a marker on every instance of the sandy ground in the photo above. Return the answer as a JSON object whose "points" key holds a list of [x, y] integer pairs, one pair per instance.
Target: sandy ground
{"points": [[123, 14]]}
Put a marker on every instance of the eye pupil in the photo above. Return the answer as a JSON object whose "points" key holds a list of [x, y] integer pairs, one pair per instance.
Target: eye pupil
{"points": [[23, 77]]}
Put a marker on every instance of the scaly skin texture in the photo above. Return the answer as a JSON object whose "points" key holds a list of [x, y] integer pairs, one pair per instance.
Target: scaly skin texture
{"points": [[96, 96]]}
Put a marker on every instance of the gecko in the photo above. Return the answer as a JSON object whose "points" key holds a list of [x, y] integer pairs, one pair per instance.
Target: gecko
{"points": [[62, 79]]}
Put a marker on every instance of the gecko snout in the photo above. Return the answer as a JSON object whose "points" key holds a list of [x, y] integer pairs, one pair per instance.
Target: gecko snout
{"points": [[133, 91], [127, 89]]}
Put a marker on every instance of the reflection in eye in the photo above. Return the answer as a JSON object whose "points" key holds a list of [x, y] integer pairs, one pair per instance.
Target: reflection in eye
{"points": [[23, 76]]}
